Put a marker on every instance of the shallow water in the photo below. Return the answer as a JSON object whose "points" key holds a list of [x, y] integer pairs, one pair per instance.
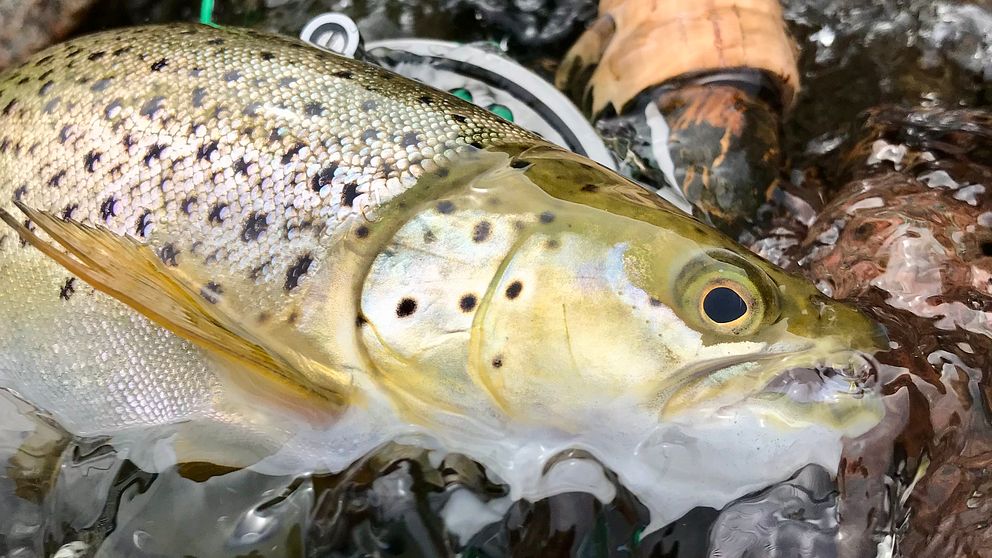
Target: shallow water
{"points": [[917, 485]]}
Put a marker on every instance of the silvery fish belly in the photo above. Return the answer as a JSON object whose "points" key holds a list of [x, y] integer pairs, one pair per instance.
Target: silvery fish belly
{"points": [[222, 245]]}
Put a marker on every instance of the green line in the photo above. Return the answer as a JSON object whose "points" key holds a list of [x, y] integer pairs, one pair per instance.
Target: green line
{"points": [[207, 12]]}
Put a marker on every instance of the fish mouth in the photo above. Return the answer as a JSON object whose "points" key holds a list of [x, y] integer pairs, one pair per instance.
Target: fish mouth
{"points": [[805, 375]]}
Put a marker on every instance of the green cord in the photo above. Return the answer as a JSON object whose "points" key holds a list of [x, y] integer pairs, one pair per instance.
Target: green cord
{"points": [[207, 13]]}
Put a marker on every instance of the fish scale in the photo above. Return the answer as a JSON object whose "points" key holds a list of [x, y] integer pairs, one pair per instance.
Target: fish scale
{"points": [[269, 154]]}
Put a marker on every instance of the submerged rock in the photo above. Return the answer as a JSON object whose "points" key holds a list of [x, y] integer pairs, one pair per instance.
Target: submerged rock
{"points": [[27, 26]]}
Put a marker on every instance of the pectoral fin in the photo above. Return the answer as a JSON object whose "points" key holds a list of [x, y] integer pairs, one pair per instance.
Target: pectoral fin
{"points": [[130, 271]]}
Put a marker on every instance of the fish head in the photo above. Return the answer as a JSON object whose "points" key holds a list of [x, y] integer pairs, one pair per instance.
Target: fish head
{"points": [[589, 291]]}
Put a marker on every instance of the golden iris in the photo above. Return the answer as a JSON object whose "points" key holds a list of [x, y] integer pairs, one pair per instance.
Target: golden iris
{"points": [[725, 294]]}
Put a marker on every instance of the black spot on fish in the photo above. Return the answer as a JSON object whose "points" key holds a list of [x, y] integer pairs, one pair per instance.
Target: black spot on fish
{"points": [[293, 151], [195, 72], [29, 226], [513, 291], [406, 307], [23, 81], [410, 139], [215, 42], [233, 75], [128, 142], [425, 99], [293, 316], [254, 227], [263, 317], [369, 105], [108, 208], [445, 207], [154, 152], [362, 231], [206, 151], [371, 133], [547, 217], [45, 60], [314, 109], [56, 179], [552, 244], [654, 302], [112, 109], [498, 362], [100, 85], [343, 74], [20, 192], [476, 145], [251, 109], [158, 65], [45, 75], [429, 237], [217, 213], [64, 133], [323, 178], [44, 89], [590, 188], [152, 106], [241, 166], [9, 107], [144, 222], [349, 193], [73, 52], [276, 134], [467, 303], [50, 105], [120, 51], [68, 210], [96, 55], [198, 95], [211, 292], [67, 288], [520, 164], [297, 271], [91, 159], [460, 118], [256, 273], [481, 231], [169, 255], [267, 56]]}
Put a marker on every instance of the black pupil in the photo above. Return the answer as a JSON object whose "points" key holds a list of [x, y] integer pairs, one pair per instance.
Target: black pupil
{"points": [[723, 305]]}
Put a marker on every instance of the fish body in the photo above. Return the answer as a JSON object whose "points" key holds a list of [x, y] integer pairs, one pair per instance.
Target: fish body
{"points": [[224, 231]]}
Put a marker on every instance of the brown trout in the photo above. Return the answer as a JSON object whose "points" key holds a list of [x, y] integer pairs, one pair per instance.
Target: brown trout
{"points": [[226, 246]]}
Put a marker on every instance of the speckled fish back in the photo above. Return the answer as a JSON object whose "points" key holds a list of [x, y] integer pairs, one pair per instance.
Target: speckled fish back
{"points": [[245, 153]]}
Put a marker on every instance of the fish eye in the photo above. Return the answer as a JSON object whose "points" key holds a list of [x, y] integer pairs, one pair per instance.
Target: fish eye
{"points": [[723, 304], [722, 293]]}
